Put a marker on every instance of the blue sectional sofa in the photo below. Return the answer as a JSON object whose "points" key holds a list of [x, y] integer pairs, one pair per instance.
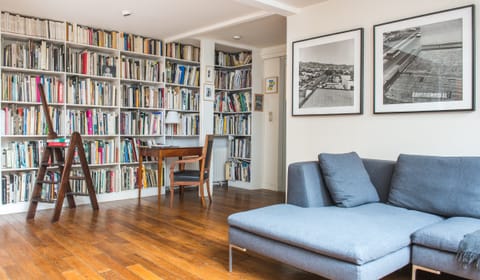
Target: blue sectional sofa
{"points": [[420, 209]]}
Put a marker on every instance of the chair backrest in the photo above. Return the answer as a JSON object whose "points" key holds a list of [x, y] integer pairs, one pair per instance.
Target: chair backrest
{"points": [[207, 151]]}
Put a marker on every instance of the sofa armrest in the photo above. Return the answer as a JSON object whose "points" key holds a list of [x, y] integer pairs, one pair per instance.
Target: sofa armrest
{"points": [[305, 185]]}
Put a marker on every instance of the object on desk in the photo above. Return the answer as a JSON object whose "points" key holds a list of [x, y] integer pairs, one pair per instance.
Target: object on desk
{"points": [[187, 177]]}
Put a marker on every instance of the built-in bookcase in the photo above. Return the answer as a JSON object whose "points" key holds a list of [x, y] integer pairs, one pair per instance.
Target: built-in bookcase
{"points": [[233, 111], [115, 88]]}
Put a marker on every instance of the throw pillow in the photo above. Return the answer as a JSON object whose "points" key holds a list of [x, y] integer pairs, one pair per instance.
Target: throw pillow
{"points": [[446, 186], [347, 180]]}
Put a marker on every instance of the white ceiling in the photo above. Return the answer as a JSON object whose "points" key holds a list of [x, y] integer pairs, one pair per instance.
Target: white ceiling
{"points": [[261, 23]]}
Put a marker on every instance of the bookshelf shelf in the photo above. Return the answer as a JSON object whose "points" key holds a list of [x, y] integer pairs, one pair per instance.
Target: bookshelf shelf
{"points": [[233, 67], [182, 86], [30, 103], [232, 113], [182, 61], [145, 82], [141, 55], [32, 71], [233, 90], [22, 37], [85, 106], [75, 45], [93, 77]]}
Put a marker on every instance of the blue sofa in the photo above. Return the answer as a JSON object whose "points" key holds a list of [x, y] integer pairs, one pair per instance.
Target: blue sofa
{"points": [[374, 239]]}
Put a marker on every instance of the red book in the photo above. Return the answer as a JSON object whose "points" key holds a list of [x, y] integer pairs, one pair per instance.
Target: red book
{"points": [[84, 62], [38, 82], [88, 114], [60, 92]]}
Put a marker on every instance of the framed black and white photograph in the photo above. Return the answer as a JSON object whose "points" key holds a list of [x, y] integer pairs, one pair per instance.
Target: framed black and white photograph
{"points": [[210, 74], [328, 74], [208, 92], [258, 102], [425, 63]]}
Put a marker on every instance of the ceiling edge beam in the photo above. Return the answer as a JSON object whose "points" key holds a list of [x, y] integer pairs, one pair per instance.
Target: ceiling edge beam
{"points": [[220, 25], [272, 6]]}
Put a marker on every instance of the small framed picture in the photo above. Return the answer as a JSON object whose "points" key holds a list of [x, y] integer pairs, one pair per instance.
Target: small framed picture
{"points": [[271, 85], [210, 74], [208, 92], [258, 102]]}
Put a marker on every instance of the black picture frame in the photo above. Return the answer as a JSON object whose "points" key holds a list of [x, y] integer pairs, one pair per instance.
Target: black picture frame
{"points": [[425, 63], [327, 74]]}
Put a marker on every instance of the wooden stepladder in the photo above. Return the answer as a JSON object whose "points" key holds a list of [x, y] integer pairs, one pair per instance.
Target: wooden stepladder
{"points": [[59, 161]]}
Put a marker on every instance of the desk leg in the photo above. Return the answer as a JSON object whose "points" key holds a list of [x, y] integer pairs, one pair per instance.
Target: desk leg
{"points": [[160, 173], [140, 176]]}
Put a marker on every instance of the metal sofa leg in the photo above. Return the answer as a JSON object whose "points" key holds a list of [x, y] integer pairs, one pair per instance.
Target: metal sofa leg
{"points": [[230, 256], [417, 267]]}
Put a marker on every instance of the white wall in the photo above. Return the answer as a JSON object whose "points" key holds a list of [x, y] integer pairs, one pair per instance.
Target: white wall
{"points": [[375, 136]]}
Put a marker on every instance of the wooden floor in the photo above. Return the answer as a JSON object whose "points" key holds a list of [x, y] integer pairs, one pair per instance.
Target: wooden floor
{"points": [[141, 240]]}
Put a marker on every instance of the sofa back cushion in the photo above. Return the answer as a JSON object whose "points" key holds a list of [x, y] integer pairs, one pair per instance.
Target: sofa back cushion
{"points": [[347, 180], [447, 186]]}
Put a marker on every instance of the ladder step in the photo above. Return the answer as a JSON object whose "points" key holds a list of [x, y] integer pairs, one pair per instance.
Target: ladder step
{"points": [[42, 200], [77, 193], [77, 177], [47, 182]]}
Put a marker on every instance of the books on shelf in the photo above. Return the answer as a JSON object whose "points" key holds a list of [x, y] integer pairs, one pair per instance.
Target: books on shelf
{"points": [[232, 80], [91, 36], [22, 154], [237, 170], [182, 74], [104, 181], [92, 63], [91, 122], [29, 120], [31, 26], [232, 59], [140, 69], [238, 102], [140, 44], [17, 187], [87, 91], [188, 126], [240, 148], [142, 96], [179, 98], [232, 125], [36, 55], [24, 88], [141, 123], [182, 51], [100, 151]]}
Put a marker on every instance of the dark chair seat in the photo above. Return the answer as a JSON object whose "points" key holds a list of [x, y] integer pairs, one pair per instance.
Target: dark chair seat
{"points": [[188, 175]]}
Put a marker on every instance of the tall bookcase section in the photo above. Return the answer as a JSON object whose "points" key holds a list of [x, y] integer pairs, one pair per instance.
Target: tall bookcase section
{"points": [[233, 112], [182, 92], [142, 113], [32, 52], [92, 101]]}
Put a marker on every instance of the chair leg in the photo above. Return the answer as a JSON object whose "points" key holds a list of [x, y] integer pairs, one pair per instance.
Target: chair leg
{"points": [[172, 188], [202, 199], [208, 190]]}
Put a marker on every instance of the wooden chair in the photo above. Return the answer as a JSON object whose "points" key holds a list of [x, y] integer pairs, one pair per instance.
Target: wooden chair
{"points": [[187, 177]]}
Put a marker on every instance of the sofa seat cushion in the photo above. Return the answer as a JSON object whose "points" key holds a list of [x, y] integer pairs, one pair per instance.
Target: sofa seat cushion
{"points": [[446, 235], [356, 235]]}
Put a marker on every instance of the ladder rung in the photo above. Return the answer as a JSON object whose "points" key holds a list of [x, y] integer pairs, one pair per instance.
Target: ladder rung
{"points": [[47, 182], [56, 165], [77, 193], [77, 177], [42, 200]]}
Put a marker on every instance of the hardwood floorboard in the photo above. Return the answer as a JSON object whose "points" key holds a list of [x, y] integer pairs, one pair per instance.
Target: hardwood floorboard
{"points": [[142, 239]]}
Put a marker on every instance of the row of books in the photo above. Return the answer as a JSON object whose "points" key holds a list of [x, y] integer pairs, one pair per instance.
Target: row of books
{"points": [[91, 63], [31, 26], [237, 170], [22, 154], [189, 125], [17, 187], [129, 150], [91, 36], [100, 151], [140, 44], [232, 59], [179, 98], [104, 181], [181, 74], [238, 79], [182, 51], [141, 96], [85, 91], [140, 69], [232, 102], [29, 120], [141, 123], [24, 88], [33, 55], [232, 124], [129, 177], [239, 148], [92, 122]]}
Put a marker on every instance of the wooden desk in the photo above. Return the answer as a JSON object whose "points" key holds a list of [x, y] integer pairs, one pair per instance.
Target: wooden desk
{"points": [[161, 153]]}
